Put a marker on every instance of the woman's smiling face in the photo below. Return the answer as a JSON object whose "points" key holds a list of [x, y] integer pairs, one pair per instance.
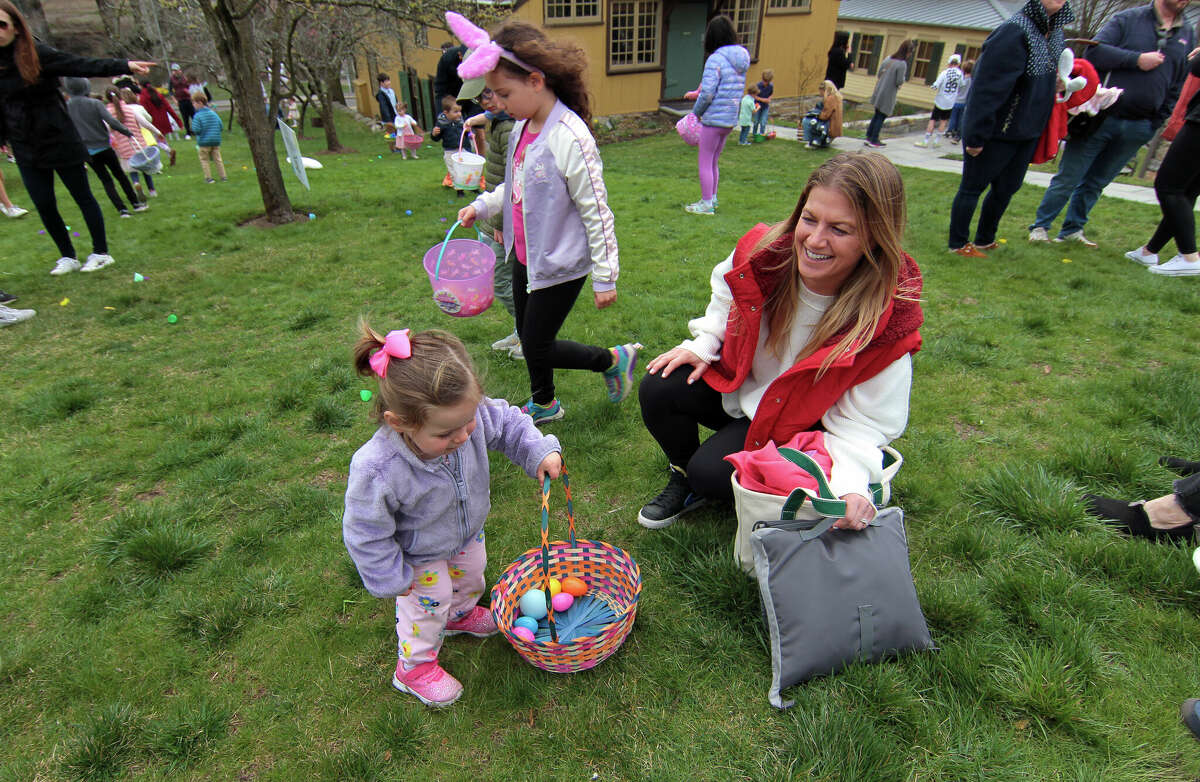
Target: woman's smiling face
{"points": [[828, 241], [8, 29]]}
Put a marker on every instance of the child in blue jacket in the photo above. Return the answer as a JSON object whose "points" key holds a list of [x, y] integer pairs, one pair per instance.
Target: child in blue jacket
{"points": [[206, 127]]}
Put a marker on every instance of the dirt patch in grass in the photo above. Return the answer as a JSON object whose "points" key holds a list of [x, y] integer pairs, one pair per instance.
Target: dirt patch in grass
{"points": [[262, 221], [624, 127]]}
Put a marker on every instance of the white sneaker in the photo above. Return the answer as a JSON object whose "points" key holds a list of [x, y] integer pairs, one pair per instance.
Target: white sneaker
{"points": [[922, 144], [1146, 260], [508, 343], [9, 316], [96, 261], [14, 211], [517, 353], [1039, 235], [1177, 267], [65, 265], [1077, 237]]}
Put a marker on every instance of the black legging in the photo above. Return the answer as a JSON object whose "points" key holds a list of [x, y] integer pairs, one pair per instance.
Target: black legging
{"points": [[186, 112], [1177, 185], [540, 315], [39, 183], [673, 411], [104, 162]]}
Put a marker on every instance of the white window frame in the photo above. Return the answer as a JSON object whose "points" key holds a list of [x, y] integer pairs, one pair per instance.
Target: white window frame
{"points": [[574, 15], [789, 6], [647, 28]]}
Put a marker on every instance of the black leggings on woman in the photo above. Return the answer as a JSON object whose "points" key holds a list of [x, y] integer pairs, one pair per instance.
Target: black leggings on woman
{"points": [[104, 162], [673, 411], [1177, 185], [540, 314], [39, 182]]}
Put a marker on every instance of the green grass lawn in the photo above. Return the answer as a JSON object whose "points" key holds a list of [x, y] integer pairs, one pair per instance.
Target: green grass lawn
{"points": [[178, 604]]}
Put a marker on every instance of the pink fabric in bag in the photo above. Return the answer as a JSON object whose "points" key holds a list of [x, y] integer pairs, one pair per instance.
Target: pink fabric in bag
{"points": [[689, 129], [767, 472]]}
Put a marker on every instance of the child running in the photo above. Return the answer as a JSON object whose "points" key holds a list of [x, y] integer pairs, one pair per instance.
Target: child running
{"points": [[417, 495], [555, 205], [206, 126], [946, 87]]}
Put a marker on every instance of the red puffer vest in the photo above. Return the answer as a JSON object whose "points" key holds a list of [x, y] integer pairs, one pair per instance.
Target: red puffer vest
{"points": [[796, 400]]}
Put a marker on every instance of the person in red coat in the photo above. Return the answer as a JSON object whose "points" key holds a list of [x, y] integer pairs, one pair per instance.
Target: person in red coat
{"points": [[810, 326], [160, 111]]}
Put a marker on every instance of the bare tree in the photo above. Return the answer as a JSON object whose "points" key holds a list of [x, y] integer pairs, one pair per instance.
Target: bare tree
{"points": [[1090, 15]]}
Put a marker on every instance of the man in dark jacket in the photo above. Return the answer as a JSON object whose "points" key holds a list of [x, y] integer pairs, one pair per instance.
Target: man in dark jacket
{"points": [[1011, 97], [1144, 51]]}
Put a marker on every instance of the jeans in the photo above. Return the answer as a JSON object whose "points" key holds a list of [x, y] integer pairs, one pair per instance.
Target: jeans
{"points": [[744, 138], [1177, 185], [816, 131], [1001, 166], [540, 314], [1087, 167], [876, 126], [759, 123], [673, 412], [39, 183], [956, 115]]}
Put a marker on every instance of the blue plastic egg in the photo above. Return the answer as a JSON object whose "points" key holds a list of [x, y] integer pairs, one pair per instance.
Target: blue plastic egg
{"points": [[533, 604], [528, 622]]}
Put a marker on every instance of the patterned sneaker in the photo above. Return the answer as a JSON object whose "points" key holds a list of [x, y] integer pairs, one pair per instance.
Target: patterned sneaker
{"points": [[429, 682], [619, 377], [671, 503], [477, 622], [65, 265], [1077, 237], [508, 343], [1038, 234], [96, 261], [700, 208], [9, 316], [543, 415], [14, 211]]}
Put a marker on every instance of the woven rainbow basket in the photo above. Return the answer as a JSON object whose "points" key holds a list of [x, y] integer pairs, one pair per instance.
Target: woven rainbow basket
{"points": [[610, 573]]}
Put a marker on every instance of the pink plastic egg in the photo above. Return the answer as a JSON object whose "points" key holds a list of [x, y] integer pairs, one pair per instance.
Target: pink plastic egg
{"points": [[562, 601], [523, 632]]}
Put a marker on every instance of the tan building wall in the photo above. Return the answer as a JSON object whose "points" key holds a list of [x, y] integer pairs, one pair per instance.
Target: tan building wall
{"points": [[793, 44]]}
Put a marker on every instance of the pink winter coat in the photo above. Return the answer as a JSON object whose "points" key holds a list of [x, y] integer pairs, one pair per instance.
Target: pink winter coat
{"points": [[132, 117]]}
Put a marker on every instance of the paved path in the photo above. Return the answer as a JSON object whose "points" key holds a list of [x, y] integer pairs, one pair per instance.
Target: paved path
{"points": [[900, 150]]}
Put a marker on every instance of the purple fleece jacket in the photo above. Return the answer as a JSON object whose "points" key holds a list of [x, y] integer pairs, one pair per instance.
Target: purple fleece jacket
{"points": [[402, 510]]}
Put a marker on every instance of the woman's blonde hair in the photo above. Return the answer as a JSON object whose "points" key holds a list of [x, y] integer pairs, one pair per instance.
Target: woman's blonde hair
{"points": [[438, 374], [875, 191], [829, 88]]}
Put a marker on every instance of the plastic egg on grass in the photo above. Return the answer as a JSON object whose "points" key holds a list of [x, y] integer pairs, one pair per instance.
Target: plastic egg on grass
{"points": [[575, 587], [533, 604], [523, 633], [555, 587], [528, 622], [562, 601]]}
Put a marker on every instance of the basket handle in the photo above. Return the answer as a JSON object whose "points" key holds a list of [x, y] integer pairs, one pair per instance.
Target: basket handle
{"points": [[437, 270], [463, 135], [546, 540]]}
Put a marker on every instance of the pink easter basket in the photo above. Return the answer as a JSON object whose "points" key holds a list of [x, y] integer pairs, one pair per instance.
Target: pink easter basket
{"points": [[689, 129], [460, 271]]}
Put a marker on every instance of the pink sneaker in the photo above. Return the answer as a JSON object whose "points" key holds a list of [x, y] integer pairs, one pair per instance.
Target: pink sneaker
{"points": [[479, 623], [429, 682]]}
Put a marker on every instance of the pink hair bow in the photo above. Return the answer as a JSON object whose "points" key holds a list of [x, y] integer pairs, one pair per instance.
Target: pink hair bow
{"points": [[485, 52], [395, 345]]}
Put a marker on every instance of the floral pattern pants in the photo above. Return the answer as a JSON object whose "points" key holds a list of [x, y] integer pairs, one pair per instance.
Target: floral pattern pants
{"points": [[442, 591]]}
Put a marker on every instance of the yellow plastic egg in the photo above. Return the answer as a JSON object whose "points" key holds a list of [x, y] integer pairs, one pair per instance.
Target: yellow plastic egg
{"points": [[555, 587]]}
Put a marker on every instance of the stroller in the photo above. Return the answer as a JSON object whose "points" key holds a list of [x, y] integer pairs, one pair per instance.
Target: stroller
{"points": [[814, 130]]}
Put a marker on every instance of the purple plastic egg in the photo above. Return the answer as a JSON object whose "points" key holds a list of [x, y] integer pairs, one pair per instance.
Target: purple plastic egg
{"points": [[562, 601], [523, 633]]}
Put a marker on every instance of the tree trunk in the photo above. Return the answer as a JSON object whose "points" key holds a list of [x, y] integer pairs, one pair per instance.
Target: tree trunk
{"points": [[234, 39], [336, 93], [36, 16], [331, 137]]}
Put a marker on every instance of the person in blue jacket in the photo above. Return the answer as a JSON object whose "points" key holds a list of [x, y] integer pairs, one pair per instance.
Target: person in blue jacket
{"points": [[717, 103], [1011, 97]]}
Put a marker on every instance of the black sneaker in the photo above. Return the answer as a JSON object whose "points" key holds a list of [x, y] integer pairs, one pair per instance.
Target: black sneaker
{"points": [[5, 298], [671, 503]]}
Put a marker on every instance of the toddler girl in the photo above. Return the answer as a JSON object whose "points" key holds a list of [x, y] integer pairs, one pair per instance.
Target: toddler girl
{"points": [[408, 133], [417, 495], [555, 205]]}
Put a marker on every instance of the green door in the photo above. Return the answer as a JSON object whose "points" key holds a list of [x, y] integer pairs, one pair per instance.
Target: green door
{"points": [[685, 49]]}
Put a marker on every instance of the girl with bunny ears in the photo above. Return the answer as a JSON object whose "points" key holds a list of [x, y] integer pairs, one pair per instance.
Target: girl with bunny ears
{"points": [[555, 206]]}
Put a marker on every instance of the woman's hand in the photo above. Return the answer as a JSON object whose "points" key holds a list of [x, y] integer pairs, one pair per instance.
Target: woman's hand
{"points": [[140, 67], [467, 216], [605, 298], [678, 357], [859, 510], [974, 151], [551, 466], [692, 95]]}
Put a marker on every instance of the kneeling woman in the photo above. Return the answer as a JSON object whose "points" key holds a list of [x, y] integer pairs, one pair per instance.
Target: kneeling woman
{"points": [[811, 326]]}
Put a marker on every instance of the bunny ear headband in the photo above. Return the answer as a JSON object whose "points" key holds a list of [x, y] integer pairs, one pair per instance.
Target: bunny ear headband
{"points": [[485, 52]]}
